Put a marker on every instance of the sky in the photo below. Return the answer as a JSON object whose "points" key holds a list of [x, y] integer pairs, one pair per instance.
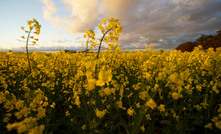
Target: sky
{"points": [[160, 23]]}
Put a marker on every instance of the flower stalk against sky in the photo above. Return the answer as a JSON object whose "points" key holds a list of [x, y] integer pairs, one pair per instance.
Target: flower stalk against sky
{"points": [[33, 24], [89, 34], [108, 25], [113, 27]]}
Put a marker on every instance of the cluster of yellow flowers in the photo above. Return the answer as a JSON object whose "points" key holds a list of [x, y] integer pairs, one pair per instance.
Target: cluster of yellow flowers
{"points": [[140, 86], [33, 24], [107, 25], [90, 35], [117, 92]]}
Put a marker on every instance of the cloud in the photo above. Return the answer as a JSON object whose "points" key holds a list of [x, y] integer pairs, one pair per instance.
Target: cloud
{"points": [[49, 9], [45, 49], [60, 41], [164, 22], [83, 14]]}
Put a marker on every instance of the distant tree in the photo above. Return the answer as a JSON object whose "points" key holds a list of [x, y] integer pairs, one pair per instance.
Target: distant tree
{"points": [[186, 46], [216, 42], [206, 41]]}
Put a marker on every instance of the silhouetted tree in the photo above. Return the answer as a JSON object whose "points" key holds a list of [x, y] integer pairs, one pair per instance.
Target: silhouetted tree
{"points": [[187, 46], [216, 42], [206, 41]]}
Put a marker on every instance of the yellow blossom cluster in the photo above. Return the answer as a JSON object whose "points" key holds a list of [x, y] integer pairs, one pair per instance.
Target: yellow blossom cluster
{"points": [[134, 92], [33, 24]]}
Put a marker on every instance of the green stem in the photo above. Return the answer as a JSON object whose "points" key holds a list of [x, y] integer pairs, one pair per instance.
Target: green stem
{"points": [[87, 45], [27, 51], [102, 41], [100, 48]]}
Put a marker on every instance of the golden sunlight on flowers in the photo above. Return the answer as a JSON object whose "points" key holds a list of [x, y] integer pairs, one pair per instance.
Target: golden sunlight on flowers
{"points": [[107, 91], [175, 95], [146, 91], [105, 76], [151, 103], [100, 114], [130, 111], [161, 108], [91, 84], [209, 125], [52, 105]]}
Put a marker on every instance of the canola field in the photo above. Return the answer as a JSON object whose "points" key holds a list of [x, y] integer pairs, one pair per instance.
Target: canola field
{"points": [[150, 92]]}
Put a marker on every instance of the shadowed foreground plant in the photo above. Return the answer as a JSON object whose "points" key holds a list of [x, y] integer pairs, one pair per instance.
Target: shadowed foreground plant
{"points": [[33, 24]]}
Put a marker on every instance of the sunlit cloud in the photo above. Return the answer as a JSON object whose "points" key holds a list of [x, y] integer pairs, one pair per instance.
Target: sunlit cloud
{"points": [[83, 14], [165, 23]]}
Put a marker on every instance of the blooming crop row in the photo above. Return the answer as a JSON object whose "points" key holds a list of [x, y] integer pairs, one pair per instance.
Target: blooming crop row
{"points": [[133, 92]]}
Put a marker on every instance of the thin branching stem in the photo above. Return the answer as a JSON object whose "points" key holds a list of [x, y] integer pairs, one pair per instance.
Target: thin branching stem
{"points": [[100, 49], [27, 51], [102, 41]]}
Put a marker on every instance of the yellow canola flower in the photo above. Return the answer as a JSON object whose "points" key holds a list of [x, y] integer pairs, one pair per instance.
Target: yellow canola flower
{"points": [[19, 104], [199, 88], [101, 28], [120, 105], [23, 37], [91, 84], [218, 124], [105, 76], [147, 75], [173, 77], [111, 46], [214, 88], [104, 20], [67, 113], [84, 36], [209, 125], [175, 95], [30, 27], [100, 83], [84, 127], [37, 130], [41, 112], [22, 28], [100, 114], [148, 117], [151, 103], [52, 105], [161, 108], [29, 22], [138, 105], [130, 111], [77, 101], [142, 128], [6, 119], [107, 91], [106, 39], [34, 20]]}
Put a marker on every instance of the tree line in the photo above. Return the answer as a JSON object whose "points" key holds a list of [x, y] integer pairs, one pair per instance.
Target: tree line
{"points": [[206, 41]]}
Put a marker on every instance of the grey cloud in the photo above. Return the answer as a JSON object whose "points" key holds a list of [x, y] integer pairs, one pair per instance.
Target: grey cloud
{"points": [[166, 23]]}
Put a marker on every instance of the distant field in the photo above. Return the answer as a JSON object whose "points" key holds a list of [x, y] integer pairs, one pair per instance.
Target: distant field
{"points": [[134, 92]]}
